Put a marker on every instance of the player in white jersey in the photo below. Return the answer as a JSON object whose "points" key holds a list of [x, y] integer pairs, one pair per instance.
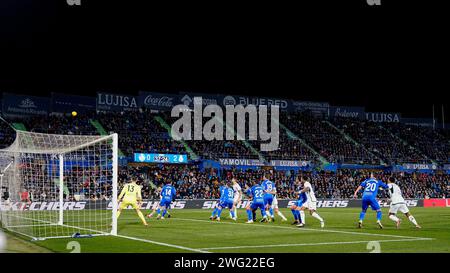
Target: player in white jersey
{"points": [[275, 207], [398, 204], [310, 204], [237, 197]]}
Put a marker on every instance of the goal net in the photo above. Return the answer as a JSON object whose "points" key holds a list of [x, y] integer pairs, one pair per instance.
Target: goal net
{"points": [[56, 186]]}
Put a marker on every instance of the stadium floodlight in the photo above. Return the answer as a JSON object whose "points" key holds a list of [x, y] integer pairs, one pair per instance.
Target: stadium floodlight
{"points": [[59, 185]]}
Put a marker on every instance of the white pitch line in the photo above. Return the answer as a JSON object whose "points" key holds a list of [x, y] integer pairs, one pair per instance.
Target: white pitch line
{"points": [[307, 229], [312, 244], [162, 244], [125, 237]]}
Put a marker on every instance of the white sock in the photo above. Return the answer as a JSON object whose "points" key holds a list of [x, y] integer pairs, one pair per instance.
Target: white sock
{"points": [[412, 219], [281, 215], [393, 218], [317, 216], [302, 216]]}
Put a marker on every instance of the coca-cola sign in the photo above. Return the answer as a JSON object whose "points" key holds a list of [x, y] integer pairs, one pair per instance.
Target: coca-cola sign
{"points": [[158, 101]]}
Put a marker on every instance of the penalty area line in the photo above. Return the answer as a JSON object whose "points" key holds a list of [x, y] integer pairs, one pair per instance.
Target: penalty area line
{"points": [[162, 244], [312, 244], [306, 229]]}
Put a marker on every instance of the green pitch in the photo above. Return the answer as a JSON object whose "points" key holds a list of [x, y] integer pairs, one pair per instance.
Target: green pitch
{"points": [[192, 231]]}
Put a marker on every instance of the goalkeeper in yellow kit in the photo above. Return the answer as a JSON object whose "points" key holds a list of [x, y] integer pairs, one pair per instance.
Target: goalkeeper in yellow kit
{"points": [[131, 196]]}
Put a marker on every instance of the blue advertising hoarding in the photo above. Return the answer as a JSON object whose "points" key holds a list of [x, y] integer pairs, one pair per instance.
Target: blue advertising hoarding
{"points": [[160, 158], [13, 104], [347, 112], [62, 103], [158, 101], [117, 102]]}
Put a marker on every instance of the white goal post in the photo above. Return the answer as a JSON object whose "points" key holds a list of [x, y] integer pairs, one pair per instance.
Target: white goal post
{"points": [[59, 186]]}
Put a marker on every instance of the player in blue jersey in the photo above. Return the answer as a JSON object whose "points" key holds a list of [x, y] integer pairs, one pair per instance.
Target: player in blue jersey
{"points": [[370, 189], [221, 194], [226, 201], [168, 194], [269, 192], [302, 198], [256, 192]]}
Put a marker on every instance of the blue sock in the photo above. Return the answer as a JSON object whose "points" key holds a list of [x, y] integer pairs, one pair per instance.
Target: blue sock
{"points": [[219, 213], [164, 212], [295, 214], [214, 212], [263, 213], [379, 215], [158, 211], [362, 215], [249, 215], [232, 213], [271, 211]]}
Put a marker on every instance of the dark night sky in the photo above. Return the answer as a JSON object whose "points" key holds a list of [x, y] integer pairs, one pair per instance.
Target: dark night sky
{"points": [[379, 60]]}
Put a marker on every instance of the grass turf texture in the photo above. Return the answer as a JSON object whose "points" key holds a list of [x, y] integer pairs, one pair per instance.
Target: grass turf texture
{"points": [[191, 231]]}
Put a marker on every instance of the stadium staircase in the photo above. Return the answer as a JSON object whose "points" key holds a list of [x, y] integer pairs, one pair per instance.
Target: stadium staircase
{"points": [[166, 126], [404, 142], [347, 137], [246, 143], [19, 126], [103, 132], [293, 136]]}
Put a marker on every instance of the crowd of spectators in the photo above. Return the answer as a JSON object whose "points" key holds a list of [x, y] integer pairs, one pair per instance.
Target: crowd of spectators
{"points": [[192, 183], [380, 141]]}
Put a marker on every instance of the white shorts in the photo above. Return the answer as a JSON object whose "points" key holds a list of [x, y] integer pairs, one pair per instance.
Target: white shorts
{"points": [[275, 203], [237, 199], [398, 207], [310, 205]]}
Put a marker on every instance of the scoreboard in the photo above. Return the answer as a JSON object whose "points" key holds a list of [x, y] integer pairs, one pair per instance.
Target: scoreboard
{"points": [[161, 158]]}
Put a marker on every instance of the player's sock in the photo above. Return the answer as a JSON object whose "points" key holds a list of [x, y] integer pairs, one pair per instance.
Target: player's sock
{"points": [[263, 213], [254, 215], [164, 212], [294, 212], [219, 213], [118, 214], [362, 215], [158, 211], [250, 215], [412, 219], [281, 215], [317, 216], [142, 217], [302, 216], [232, 214], [214, 212], [379, 214], [271, 212], [394, 218], [235, 213]]}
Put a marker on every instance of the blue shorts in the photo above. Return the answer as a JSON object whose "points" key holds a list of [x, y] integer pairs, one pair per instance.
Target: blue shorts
{"points": [[268, 199], [226, 204], [165, 203], [254, 206], [299, 203], [372, 202]]}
